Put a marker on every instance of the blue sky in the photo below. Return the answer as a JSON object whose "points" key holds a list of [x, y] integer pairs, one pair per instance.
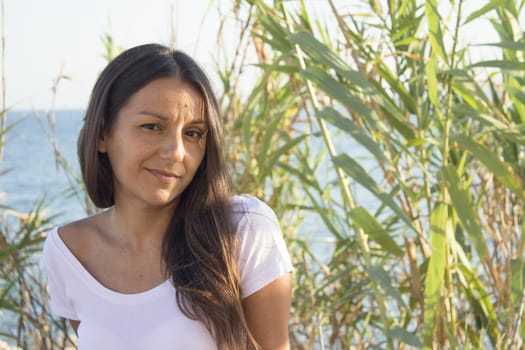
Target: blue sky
{"points": [[45, 36]]}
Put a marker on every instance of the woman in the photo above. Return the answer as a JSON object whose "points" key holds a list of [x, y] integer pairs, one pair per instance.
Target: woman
{"points": [[176, 261]]}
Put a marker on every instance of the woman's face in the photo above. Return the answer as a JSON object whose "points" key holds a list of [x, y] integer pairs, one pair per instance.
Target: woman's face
{"points": [[156, 143]]}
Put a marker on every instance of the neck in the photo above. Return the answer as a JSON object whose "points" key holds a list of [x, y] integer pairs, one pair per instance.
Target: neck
{"points": [[137, 226]]}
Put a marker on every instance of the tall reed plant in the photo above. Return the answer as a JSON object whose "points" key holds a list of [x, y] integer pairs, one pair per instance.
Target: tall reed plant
{"points": [[25, 320], [379, 125]]}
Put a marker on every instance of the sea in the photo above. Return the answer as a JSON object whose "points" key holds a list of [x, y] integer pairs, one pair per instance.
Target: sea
{"points": [[30, 173]]}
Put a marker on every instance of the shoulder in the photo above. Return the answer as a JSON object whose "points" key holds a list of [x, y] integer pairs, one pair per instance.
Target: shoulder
{"points": [[80, 229], [78, 236], [249, 208], [255, 223]]}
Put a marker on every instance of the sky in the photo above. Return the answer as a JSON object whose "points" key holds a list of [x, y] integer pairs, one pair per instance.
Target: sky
{"points": [[46, 37]]}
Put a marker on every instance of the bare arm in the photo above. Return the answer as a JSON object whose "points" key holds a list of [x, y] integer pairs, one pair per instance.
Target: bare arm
{"points": [[267, 312]]}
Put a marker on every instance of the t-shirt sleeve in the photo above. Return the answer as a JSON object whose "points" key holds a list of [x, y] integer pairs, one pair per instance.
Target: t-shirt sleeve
{"points": [[56, 273], [263, 256]]}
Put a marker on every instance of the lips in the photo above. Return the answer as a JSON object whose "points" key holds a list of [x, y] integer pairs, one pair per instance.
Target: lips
{"points": [[167, 176]]}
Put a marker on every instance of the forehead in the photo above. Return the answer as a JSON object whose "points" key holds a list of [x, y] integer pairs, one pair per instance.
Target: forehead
{"points": [[168, 96]]}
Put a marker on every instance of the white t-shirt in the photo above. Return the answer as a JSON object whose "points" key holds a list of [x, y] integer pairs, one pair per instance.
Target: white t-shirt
{"points": [[152, 319]]}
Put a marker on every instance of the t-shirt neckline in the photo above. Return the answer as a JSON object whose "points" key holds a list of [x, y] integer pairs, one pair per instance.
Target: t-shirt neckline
{"points": [[95, 285]]}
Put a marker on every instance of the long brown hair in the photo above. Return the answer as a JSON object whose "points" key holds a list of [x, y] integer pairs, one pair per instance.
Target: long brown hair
{"points": [[199, 247]]}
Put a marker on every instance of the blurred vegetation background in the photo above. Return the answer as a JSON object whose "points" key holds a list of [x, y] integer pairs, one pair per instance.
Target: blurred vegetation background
{"points": [[382, 130]]}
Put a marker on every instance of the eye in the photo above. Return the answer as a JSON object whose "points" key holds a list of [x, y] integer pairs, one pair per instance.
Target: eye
{"points": [[194, 135], [151, 126]]}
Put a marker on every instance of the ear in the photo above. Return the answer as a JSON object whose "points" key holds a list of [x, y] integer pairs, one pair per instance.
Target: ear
{"points": [[101, 146]]}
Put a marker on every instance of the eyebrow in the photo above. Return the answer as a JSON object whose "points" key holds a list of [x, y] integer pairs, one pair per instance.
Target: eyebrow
{"points": [[152, 114], [162, 117]]}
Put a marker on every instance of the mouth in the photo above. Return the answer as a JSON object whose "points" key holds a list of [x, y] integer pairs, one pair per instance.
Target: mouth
{"points": [[165, 176]]}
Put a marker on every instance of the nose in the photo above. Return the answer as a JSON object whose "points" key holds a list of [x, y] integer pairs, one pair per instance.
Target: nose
{"points": [[172, 148]]}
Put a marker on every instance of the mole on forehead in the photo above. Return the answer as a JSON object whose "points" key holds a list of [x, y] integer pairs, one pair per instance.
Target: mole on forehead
{"points": [[188, 102]]}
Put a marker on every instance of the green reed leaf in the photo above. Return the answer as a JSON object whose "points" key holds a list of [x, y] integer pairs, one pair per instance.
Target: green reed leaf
{"points": [[462, 109], [514, 87], [272, 158], [502, 64], [397, 87], [337, 90], [494, 4], [480, 300], [464, 208], [276, 67], [405, 336], [434, 28], [335, 118], [513, 134], [517, 267], [432, 83], [360, 175], [269, 134], [375, 231], [500, 169], [322, 54], [382, 278], [509, 45], [395, 117], [277, 39], [436, 270]]}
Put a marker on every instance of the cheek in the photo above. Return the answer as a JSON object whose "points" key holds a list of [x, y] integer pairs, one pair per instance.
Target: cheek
{"points": [[197, 163], [122, 159], [197, 153]]}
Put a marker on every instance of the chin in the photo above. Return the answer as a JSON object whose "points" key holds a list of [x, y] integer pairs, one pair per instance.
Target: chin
{"points": [[163, 201]]}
